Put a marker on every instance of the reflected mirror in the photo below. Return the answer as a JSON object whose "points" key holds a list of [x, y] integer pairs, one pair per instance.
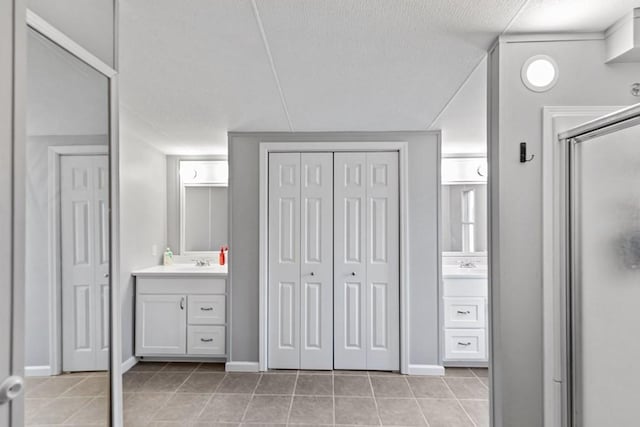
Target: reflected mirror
{"points": [[67, 238]]}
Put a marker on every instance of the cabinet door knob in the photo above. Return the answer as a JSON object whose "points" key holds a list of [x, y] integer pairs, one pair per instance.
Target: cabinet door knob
{"points": [[206, 308], [206, 339], [182, 303], [464, 312], [353, 273], [312, 273], [465, 344]]}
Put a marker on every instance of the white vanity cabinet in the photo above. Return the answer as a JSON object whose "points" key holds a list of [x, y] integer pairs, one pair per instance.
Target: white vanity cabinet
{"points": [[180, 313], [465, 319]]}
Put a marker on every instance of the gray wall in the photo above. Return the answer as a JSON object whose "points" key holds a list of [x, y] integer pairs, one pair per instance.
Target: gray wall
{"points": [[516, 191], [424, 159], [37, 298], [143, 220]]}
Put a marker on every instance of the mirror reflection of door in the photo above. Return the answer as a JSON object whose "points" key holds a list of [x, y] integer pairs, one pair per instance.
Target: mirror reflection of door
{"points": [[67, 314]]}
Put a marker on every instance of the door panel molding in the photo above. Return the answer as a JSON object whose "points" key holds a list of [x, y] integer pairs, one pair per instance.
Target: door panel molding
{"points": [[310, 147]]}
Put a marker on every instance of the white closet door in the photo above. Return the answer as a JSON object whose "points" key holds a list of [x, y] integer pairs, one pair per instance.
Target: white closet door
{"points": [[350, 348], [383, 265], [85, 242], [284, 261], [316, 305], [366, 254]]}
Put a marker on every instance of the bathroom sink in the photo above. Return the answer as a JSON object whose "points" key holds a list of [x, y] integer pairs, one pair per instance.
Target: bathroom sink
{"points": [[186, 269]]}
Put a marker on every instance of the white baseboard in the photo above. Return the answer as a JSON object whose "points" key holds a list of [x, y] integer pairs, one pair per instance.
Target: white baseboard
{"points": [[434, 370], [128, 364], [37, 371], [242, 367]]}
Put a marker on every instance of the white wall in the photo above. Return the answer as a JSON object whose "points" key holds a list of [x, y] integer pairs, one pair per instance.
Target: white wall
{"points": [[143, 219], [516, 276], [424, 159], [90, 23]]}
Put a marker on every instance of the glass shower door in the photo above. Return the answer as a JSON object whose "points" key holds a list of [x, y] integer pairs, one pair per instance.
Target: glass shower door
{"points": [[605, 278]]}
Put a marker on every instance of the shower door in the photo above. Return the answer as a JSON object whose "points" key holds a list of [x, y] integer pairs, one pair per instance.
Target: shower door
{"points": [[604, 275]]}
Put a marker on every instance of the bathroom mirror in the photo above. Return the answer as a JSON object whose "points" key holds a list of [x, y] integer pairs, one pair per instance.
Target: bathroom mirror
{"points": [[202, 201], [464, 206], [67, 253]]}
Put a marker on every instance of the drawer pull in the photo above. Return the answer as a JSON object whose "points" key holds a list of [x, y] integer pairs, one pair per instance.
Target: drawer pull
{"points": [[464, 312], [465, 344], [206, 339], [206, 308]]}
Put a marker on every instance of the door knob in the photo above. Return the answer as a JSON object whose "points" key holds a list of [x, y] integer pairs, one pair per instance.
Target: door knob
{"points": [[312, 273], [106, 275], [353, 273], [11, 388]]}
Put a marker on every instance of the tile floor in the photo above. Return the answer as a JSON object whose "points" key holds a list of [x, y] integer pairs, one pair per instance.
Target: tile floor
{"points": [[193, 394]]}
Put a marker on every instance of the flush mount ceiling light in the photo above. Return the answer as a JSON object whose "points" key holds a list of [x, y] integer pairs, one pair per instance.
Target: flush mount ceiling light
{"points": [[539, 73]]}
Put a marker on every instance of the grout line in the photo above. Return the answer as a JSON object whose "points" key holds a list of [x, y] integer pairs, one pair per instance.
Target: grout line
{"points": [[375, 401], [415, 399], [460, 404], [293, 393], [267, 49], [253, 393], [175, 392]]}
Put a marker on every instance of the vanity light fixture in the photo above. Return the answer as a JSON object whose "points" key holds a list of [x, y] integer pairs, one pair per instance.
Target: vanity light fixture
{"points": [[539, 73]]}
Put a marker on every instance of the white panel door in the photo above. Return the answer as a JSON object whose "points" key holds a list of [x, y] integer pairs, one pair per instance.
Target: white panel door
{"points": [[284, 261], [350, 268], [316, 305], [366, 254], [383, 261], [85, 262]]}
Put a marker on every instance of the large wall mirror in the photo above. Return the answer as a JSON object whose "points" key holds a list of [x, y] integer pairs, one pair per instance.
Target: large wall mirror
{"points": [[464, 206], [68, 249], [197, 206]]}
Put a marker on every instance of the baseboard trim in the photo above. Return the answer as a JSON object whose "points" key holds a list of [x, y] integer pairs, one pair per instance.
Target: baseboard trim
{"points": [[128, 364], [433, 370], [242, 367], [37, 371]]}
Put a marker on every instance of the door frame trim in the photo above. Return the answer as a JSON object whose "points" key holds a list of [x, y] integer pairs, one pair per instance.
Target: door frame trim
{"points": [[55, 240], [402, 147]]}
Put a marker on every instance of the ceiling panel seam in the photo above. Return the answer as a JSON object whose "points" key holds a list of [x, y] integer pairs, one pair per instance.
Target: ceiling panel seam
{"points": [[265, 42], [503, 32]]}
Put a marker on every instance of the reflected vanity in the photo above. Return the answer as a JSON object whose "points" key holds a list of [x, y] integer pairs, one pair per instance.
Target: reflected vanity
{"points": [[464, 261]]}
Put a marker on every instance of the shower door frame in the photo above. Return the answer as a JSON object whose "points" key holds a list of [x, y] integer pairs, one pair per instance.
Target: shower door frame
{"points": [[572, 386]]}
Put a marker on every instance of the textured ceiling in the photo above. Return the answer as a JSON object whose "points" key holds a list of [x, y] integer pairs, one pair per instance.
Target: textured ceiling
{"points": [[193, 70]]}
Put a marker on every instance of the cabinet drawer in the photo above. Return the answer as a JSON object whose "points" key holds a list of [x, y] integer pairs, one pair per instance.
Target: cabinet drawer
{"points": [[206, 340], [464, 313], [465, 287], [206, 309], [465, 344]]}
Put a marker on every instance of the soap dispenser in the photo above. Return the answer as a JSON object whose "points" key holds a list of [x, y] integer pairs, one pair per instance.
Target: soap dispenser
{"points": [[168, 257]]}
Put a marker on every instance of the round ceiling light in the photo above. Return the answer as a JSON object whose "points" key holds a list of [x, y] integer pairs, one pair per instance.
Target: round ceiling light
{"points": [[539, 73]]}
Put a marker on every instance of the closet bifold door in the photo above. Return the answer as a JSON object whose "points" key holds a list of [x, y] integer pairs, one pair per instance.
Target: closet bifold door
{"points": [[366, 261], [300, 261]]}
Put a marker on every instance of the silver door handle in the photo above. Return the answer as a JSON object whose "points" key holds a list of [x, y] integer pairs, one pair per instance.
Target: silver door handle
{"points": [[206, 339], [182, 303], [464, 343], [464, 312], [11, 388], [206, 308]]}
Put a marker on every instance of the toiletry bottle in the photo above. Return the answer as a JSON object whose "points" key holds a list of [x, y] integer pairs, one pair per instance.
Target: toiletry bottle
{"points": [[168, 257], [221, 257]]}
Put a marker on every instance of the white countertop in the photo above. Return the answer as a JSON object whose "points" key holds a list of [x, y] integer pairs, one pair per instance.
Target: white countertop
{"points": [[182, 270], [453, 271]]}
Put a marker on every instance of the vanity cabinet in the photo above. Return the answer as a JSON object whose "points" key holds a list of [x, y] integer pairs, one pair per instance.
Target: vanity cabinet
{"points": [[465, 320], [178, 315]]}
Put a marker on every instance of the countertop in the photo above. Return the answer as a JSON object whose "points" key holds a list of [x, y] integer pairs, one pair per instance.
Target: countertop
{"points": [[455, 272], [182, 270]]}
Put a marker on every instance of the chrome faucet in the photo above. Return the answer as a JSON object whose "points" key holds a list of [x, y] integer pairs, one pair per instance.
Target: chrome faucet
{"points": [[202, 262], [467, 264]]}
